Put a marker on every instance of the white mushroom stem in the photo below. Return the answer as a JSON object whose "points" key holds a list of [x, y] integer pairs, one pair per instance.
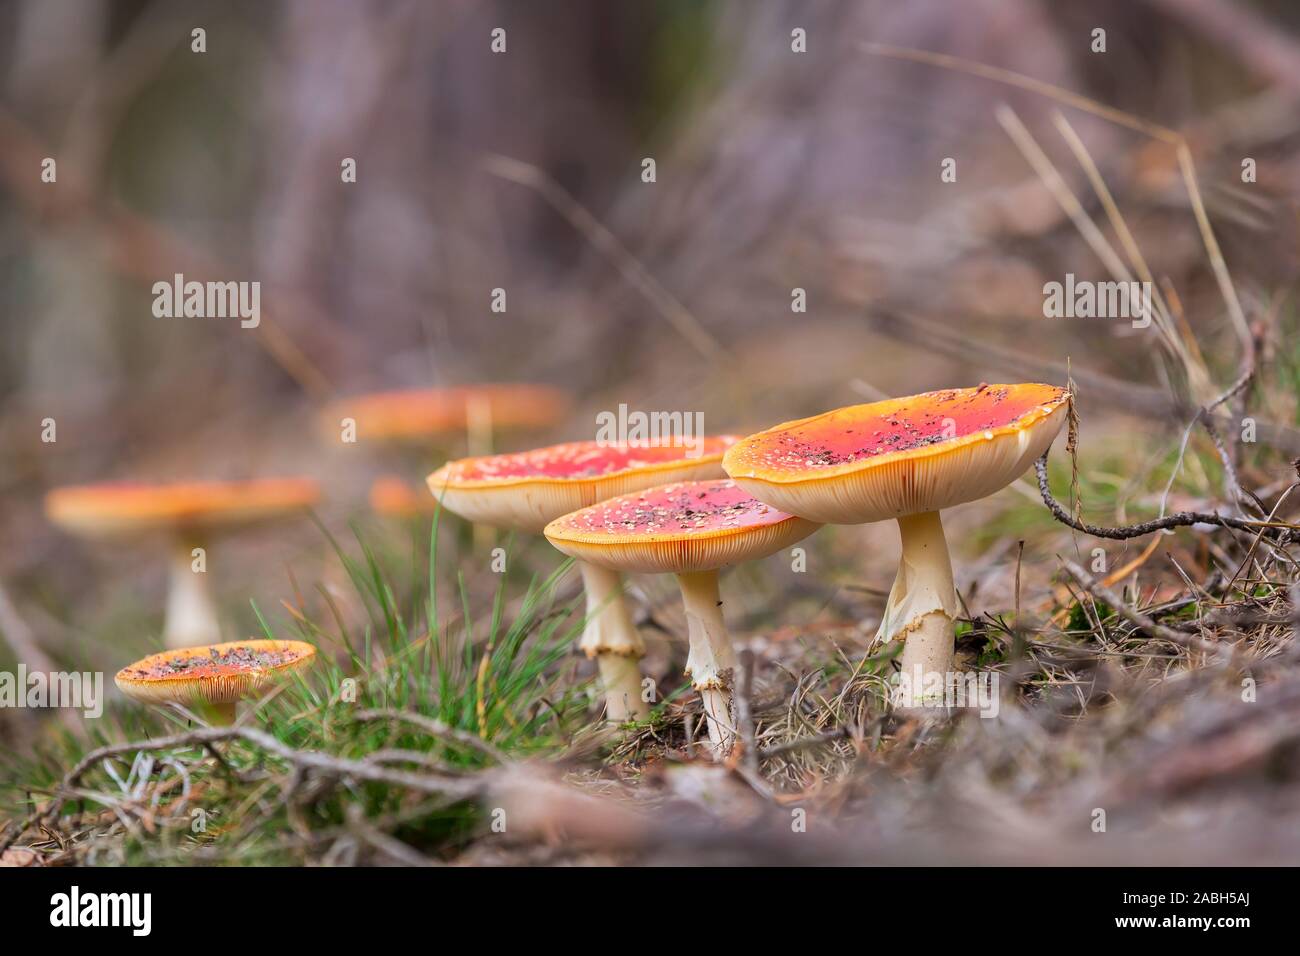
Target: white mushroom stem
{"points": [[478, 426], [612, 639], [478, 443], [219, 715], [921, 608], [191, 617], [711, 663]]}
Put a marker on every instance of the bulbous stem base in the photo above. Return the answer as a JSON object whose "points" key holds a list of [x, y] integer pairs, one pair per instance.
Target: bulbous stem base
{"points": [[711, 664], [612, 640], [920, 611]]}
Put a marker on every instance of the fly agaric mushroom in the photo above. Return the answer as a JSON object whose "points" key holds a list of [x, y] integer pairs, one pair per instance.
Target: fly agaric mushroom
{"points": [[412, 415], [690, 529], [213, 679], [905, 458], [394, 498], [188, 513], [526, 490]]}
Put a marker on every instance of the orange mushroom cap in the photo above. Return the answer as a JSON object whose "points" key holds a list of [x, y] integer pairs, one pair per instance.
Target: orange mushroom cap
{"points": [[213, 674], [423, 412], [392, 496], [900, 456], [678, 528], [527, 489], [135, 506]]}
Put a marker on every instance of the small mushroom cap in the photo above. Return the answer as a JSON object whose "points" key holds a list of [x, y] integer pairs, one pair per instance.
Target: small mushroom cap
{"points": [[900, 456], [214, 673], [411, 414], [526, 490], [677, 528], [395, 498], [131, 506]]}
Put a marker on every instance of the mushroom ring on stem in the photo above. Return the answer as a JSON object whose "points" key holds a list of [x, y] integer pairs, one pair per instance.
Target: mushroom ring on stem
{"points": [[188, 514], [690, 529], [212, 680], [906, 459], [525, 491]]}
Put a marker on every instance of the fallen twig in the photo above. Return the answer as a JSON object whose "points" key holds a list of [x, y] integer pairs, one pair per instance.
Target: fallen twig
{"points": [[436, 728], [1181, 519], [830, 736], [323, 764], [1139, 620]]}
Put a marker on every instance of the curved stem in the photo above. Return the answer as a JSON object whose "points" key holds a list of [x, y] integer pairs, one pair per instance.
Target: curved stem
{"points": [[921, 608], [711, 664], [191, 617], [612, 639]]}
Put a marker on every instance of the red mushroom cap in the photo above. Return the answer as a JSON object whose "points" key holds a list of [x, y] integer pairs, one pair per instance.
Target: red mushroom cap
{"points": [[136, 506], [900, 456], [396, 498], [213, 674], [527, 489], [678, 528], [415, 413]]}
